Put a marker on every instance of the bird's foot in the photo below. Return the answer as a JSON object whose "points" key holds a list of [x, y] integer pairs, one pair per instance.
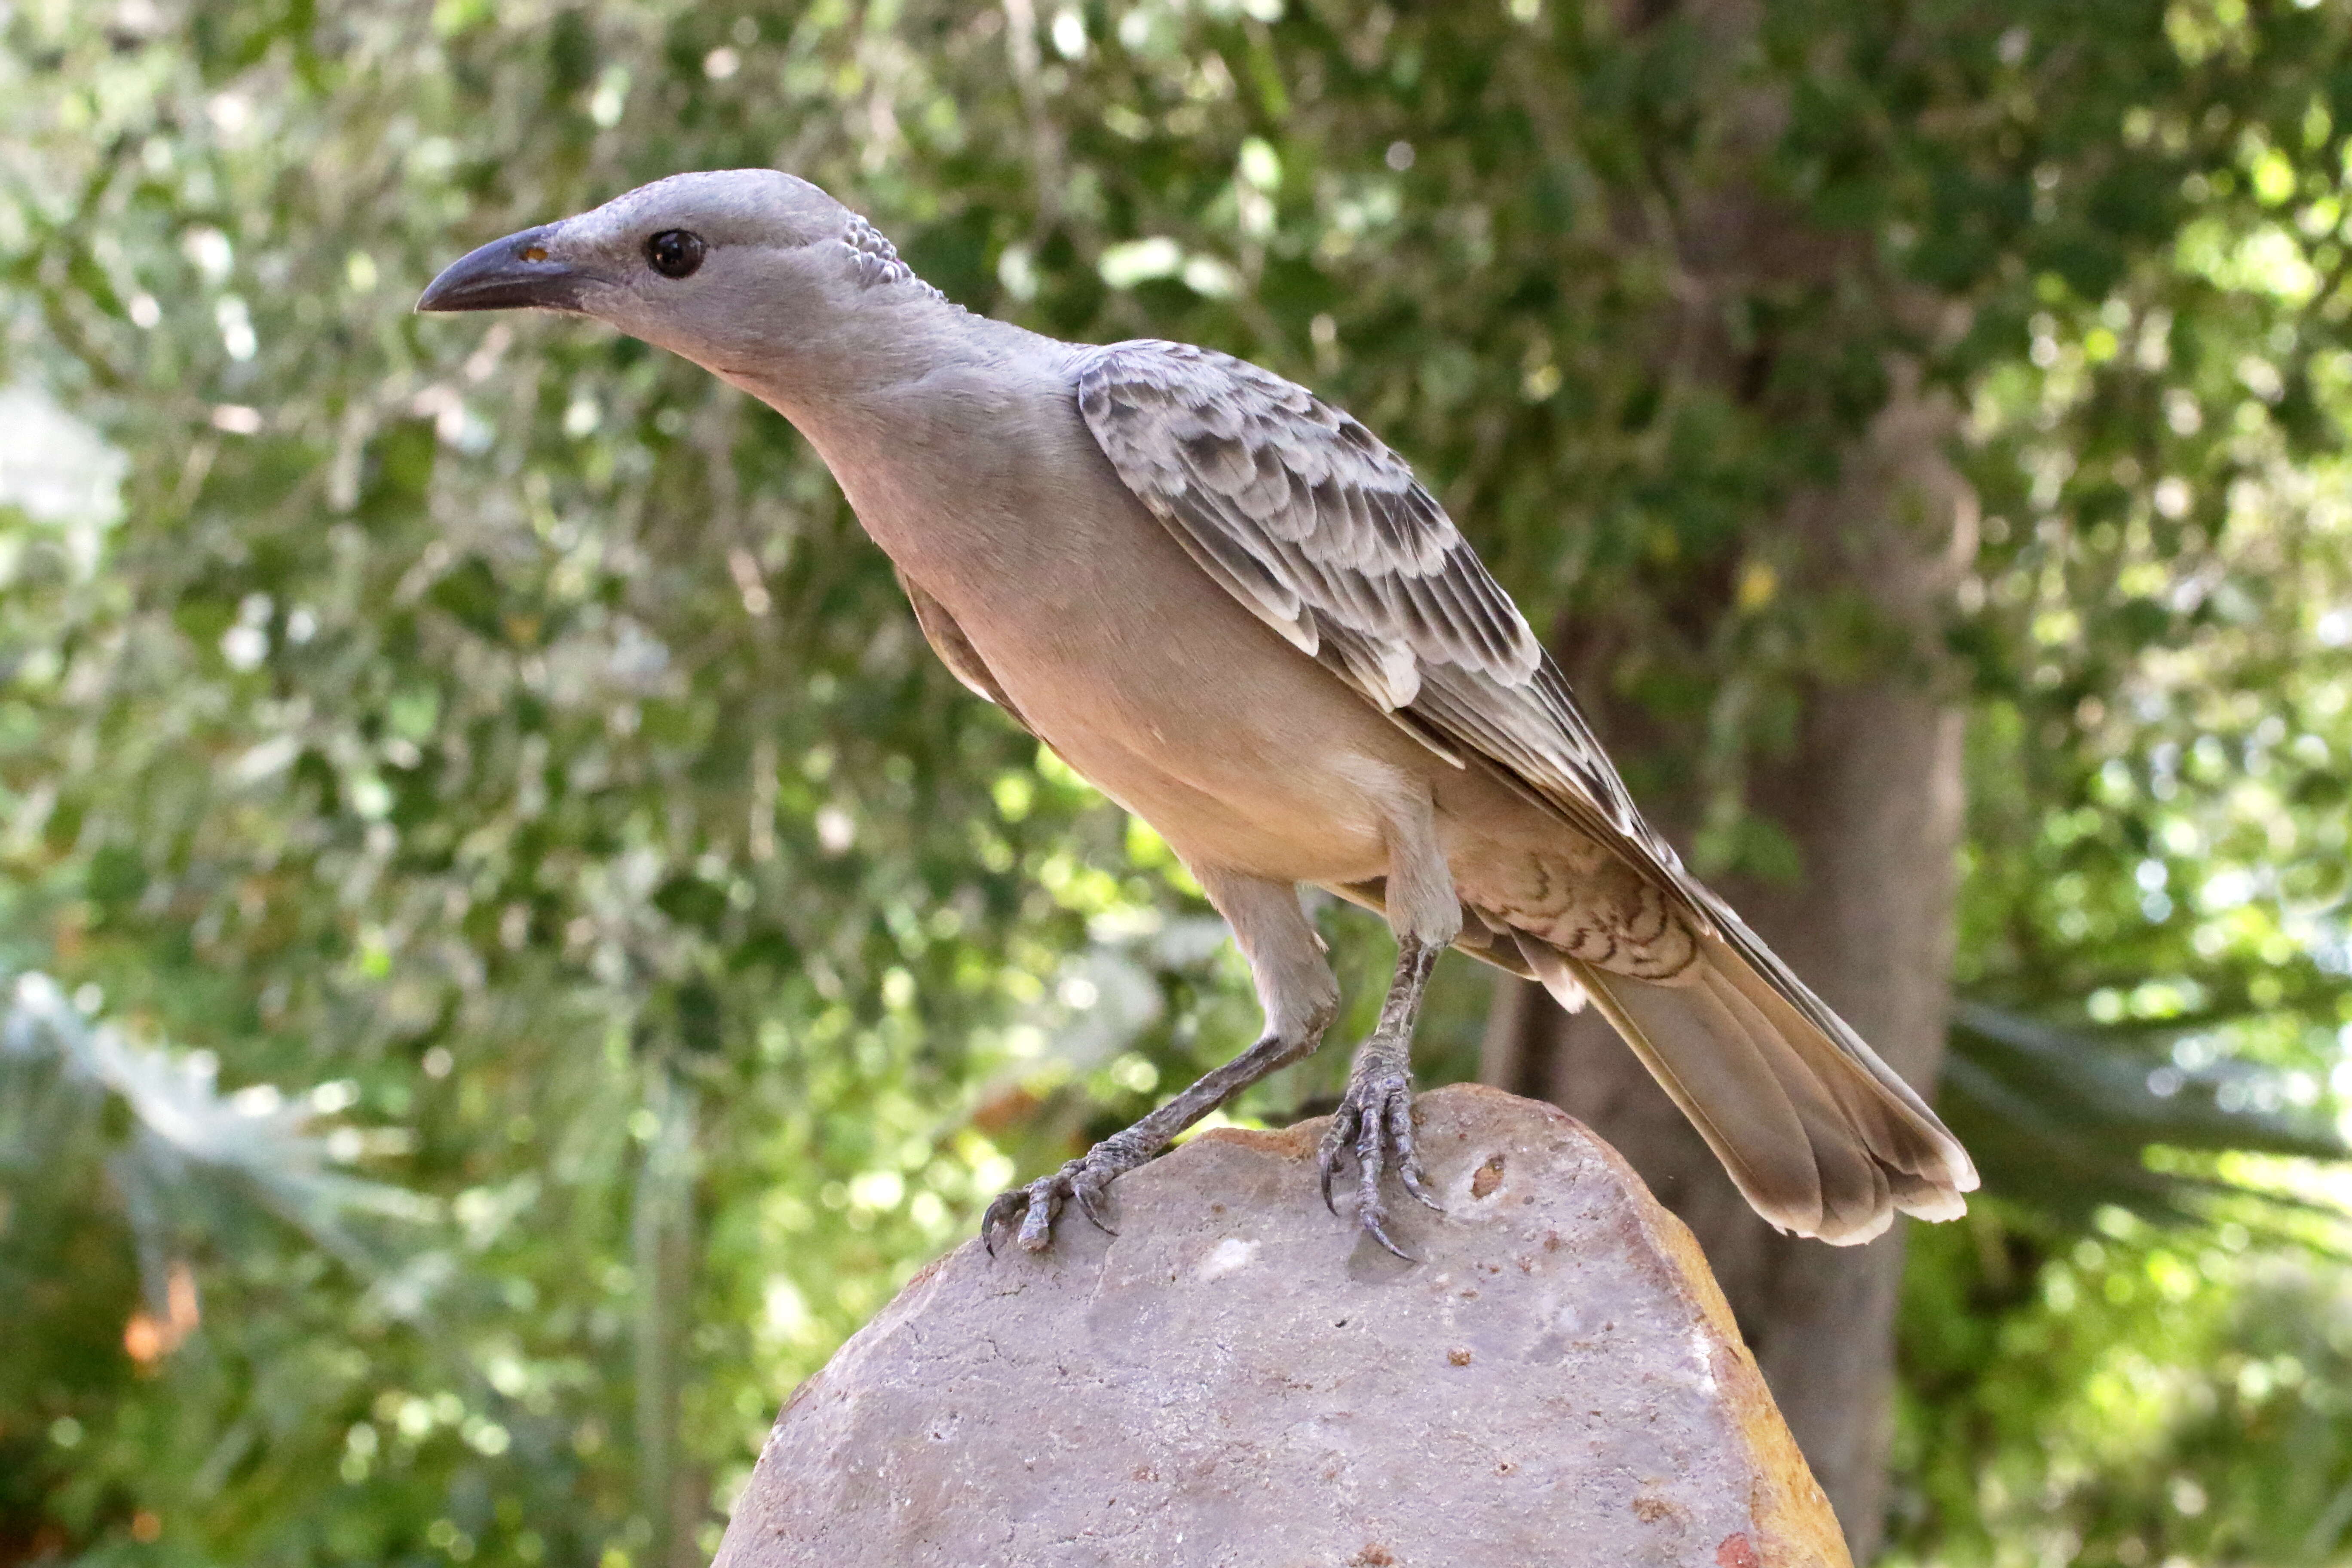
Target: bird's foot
{"points": [[1029, 1212], [1375, 1120]]}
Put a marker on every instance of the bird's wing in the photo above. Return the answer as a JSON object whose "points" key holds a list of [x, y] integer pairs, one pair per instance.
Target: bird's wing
{"points": [[1323, 532], [955, 650]]}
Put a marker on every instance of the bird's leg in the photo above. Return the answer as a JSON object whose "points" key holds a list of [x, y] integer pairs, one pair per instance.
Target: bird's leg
{"points": [[1086, 1177], [1375, 1116], [1300, 996]]}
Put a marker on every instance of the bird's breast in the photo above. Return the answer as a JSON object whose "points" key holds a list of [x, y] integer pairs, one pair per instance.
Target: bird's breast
{"points": [[1146, 676], [1151, 681]]}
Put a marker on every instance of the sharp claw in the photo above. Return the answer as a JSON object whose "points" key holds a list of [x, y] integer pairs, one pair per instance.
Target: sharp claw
{"points": [[1407, 1156], [998, 1216], [1372, 1228], [1090, 1203], [1372, 1214], [1371, 1165], [1336, 1139]]}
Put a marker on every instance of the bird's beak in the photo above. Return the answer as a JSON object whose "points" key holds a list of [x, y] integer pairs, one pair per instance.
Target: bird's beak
{"points": [[515, 273]]}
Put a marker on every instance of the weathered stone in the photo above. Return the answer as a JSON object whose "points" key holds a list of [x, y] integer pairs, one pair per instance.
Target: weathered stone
{"points": [[1238, 1379]]}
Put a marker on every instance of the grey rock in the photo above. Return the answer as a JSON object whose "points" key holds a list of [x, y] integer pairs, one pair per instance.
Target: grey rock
{"points": [[1238, 1379]]}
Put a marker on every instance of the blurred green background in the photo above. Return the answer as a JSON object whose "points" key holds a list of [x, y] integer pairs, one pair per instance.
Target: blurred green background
{"points": [[517, 949]]}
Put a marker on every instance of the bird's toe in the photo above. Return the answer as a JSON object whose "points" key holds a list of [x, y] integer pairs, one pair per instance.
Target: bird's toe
{"points": [[1374, 1123], [1338, 1138], [1029, 1212]]}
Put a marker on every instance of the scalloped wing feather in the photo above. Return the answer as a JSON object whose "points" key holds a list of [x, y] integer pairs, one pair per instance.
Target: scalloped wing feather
{"points": [[1314, 525], [1323, 532]]}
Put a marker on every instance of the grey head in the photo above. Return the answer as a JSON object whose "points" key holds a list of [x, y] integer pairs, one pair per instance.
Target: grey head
{"points": [[738, 269]]}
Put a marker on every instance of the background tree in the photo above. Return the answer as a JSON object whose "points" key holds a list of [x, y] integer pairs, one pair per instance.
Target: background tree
{"points": [[1861, 230], [499, 735]]}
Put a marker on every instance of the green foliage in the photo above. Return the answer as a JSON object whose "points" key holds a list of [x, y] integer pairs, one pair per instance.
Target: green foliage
{"points": [[126, 1171], [2133, 1396], [2157, 871], [2063, 1121], [509, 721]]}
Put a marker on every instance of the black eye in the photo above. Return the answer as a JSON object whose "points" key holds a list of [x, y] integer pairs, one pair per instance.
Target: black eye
{"points": [[675, 252]]}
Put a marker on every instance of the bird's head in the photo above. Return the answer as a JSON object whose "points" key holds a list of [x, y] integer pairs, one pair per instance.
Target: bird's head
{"points": [[736, 270]]}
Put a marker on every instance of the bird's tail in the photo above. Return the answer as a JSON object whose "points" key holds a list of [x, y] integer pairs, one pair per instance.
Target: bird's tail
{"points": [[1819, 1134]]}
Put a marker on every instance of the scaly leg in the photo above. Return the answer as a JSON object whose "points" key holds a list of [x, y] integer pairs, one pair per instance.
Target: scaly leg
{"points": [[1294, 985], [1086, 1177], [1375, 1117]]}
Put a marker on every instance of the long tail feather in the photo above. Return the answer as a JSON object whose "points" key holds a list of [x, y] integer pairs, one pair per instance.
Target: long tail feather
{"points": [[1817, 1132]]}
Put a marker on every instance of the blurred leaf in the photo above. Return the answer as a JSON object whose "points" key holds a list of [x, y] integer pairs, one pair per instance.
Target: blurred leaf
{"points": [[2062, 1121]]}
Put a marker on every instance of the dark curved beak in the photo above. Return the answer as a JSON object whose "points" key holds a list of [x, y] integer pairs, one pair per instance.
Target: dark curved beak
{"points": [[511, 274]]}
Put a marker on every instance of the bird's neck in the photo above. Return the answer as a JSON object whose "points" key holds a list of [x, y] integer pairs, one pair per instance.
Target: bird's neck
{"points": [[842, 361], [896, 368], [935, 423]]}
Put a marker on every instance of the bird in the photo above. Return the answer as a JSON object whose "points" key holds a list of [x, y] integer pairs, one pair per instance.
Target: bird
{"points": [[1234, 610]]}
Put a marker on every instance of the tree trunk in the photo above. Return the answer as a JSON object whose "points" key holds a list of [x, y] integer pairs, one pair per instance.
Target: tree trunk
{"points": [[1872, 797]]}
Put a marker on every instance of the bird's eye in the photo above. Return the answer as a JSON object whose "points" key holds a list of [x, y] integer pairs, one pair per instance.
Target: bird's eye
{"points": [[675, 252]]}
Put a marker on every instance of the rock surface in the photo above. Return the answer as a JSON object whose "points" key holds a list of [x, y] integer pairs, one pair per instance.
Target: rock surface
{"points": [[1238, 1379]]}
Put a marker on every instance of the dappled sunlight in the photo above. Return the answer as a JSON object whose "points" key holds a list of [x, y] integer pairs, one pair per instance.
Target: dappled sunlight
{"points": [[542, 951]]}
